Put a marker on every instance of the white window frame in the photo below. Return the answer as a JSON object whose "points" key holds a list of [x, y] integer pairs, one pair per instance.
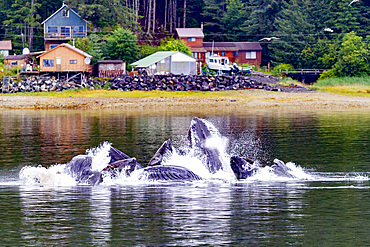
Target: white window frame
{"points": [[65, 13], [250, 55]]}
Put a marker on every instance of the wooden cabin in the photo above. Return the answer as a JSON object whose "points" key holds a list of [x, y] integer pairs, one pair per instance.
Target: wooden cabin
{"points": [[241, 52], [193, 37], [62, 26], [64, 58], [111, 68], [19, 61]]}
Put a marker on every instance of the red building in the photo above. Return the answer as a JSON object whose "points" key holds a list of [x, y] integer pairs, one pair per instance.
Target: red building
{"points": [[239, 52]]}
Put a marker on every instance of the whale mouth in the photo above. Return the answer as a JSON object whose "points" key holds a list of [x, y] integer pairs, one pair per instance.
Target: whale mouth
{"points": [[203, 158]]}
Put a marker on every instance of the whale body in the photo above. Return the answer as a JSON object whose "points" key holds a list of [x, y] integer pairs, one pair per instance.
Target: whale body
{"points": [[162, 168]]}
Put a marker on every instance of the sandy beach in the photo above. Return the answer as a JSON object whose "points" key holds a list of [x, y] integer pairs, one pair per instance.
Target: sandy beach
{"points": [[244, 99]]}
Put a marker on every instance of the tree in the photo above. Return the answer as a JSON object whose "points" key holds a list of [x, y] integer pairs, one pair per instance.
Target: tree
{"points": [[321, 55], [343, 18], [105, 14], [295, 28], [96, 48], [353, 56], [259, 23], [146, 50], [213, 13], [174, 45], [23, 19], [92, 45], [233, 19], [122, 44]]}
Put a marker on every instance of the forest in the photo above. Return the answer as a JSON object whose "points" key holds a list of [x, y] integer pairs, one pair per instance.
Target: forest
{"points": [[326, 34]]}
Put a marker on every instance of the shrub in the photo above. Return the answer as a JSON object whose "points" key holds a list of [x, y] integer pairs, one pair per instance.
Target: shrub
{"points": [[327, 74], [276, 69]]}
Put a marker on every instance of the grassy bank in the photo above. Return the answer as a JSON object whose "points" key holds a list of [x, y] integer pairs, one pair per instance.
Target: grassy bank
{"points": [[351, 86], [86, 93]]}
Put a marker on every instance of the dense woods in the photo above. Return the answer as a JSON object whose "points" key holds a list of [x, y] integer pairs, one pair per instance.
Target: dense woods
{"points": [[308, 33]]}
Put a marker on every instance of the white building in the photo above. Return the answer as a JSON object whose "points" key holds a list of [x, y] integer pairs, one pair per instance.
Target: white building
{"points": [[165, 62]]}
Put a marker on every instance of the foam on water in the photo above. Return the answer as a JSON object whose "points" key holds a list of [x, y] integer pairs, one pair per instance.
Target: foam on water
{"points": [[56, 176]]}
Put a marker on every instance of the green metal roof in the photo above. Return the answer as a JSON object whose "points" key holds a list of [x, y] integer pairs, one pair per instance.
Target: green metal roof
{"points": [[152, 59]]}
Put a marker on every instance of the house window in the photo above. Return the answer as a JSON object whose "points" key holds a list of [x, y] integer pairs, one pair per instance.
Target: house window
{"points": [[72, 61], [250, 55], [48, 63], [222, 53], [195, 54], [65, 30], [236, 54], [14, 63], [52, 29], [192, 39], [52, 46], [78, 29], [65, 13]]}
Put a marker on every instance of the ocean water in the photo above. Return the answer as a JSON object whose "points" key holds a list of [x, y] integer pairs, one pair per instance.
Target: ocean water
{"points": [[325, 203]]}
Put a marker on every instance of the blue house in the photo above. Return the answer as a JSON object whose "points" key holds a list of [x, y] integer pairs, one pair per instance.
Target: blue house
{"points": [[62, 26]]}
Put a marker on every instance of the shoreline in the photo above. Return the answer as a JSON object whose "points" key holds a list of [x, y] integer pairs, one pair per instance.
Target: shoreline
{"points": [[241, 100]]}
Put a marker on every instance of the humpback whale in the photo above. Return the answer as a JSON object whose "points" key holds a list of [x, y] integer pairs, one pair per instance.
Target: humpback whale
{"points": [[80, 169], [161, 167], [199, 133]]}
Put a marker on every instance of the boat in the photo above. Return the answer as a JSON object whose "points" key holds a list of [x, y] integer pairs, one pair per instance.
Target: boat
{"points": [[217, 63], [221, 65]]}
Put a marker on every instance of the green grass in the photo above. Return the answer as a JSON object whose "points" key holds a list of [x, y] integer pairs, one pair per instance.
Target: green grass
{"points": [[351, 86], [344, 81], [126, 94]]}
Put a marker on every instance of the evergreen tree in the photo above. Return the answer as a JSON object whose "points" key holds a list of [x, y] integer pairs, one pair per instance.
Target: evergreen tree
{"points": [[213, 13], [194, 13], [22, 23], [261, 18], [233, 19], [344, 18], [296, 30], [261, 15], [105, 14]]}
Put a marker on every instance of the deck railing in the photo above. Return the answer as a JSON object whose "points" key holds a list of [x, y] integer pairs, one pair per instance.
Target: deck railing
{"points": [[302, 71], [64, 35]]}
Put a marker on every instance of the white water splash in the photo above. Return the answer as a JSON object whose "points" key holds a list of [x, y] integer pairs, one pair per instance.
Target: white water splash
{"points": [[56, 175], [100, 156], [53, 176]]}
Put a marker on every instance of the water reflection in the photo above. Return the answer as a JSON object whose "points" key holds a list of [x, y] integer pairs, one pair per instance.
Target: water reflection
{"points": [[329, 211]]}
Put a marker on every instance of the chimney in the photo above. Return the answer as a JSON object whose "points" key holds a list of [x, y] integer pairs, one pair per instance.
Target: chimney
{"points": [[201, 26]]}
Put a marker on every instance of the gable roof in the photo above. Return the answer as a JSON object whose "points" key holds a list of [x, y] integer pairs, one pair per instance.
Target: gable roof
{"points": [[232, 46], [190, 32], [69, 47], [15, 57], [156, 57], [152, 59], [6, 45], [63, 6], [248, 46]]}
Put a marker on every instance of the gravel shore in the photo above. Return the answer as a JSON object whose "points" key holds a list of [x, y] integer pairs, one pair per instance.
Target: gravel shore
{"points": [[239, 100]]}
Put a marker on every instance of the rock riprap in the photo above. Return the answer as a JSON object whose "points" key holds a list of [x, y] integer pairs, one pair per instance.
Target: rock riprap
{"points": [[43, 83]]}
